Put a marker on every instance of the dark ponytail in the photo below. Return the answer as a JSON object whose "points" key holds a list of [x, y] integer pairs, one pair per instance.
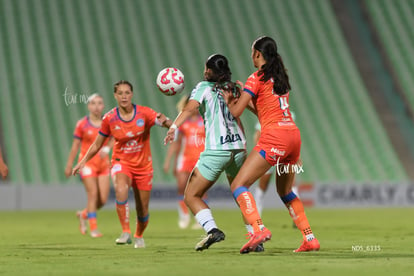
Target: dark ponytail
{"points": [[221, 74], [220, 69], [274, 67]]}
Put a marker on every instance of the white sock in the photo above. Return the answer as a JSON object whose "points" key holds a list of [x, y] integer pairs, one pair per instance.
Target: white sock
{"points": [[295, 190], [258, 197], [310, 237], [205, 219], [249, 228]]}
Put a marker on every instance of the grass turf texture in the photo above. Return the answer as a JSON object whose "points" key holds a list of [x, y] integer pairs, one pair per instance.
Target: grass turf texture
{"points": [[49, 243]]}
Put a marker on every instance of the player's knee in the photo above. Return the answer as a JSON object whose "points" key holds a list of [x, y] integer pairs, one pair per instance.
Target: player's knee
{"points": [[93, 194], [188, 198], [121, 188]]}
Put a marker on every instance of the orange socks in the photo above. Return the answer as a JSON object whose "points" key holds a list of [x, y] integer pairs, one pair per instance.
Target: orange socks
{"points": [[84, 213], [123, 214], [93, 225], [142, 223], [183, 207], [91, 217], [297, 212], [248, 207]]}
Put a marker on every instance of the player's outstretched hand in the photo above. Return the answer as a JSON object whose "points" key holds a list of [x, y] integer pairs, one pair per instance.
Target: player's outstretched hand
{"points": [[169, 138], [77, 168], [228, 96], [163, 120]]}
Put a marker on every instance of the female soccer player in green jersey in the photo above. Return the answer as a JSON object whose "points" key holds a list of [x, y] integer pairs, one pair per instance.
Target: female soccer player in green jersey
{"points": [[225, 143]]}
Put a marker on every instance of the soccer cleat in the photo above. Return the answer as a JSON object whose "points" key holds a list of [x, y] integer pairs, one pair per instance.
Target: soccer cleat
{"points": [[83, 228], [255, 240], [260, 247], [139, 243], [96, 234], [215, 235], [125, 238], [184, 221], [312, 245]]}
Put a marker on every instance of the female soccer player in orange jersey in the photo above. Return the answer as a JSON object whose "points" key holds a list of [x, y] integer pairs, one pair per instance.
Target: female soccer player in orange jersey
{"points": [[185, 150], [264, 181], [267, 92], [130, 126], [95, 173]]}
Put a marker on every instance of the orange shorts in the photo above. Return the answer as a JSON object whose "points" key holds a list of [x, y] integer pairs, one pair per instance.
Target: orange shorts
{"points": [[140, 180], [279, 146], [95, 168], [186, 164]]}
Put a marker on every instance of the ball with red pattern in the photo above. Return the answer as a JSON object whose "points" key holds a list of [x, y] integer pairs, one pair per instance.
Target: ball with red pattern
{"points": [[170, 81]]}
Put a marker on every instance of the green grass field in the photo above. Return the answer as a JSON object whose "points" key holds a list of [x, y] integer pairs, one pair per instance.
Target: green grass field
{"points": [[48, 243]]}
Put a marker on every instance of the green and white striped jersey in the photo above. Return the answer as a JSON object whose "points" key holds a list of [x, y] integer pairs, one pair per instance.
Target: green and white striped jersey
{"points": [[223, 131]]}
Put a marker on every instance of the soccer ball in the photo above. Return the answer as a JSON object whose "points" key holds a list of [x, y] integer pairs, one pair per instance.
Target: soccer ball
{"points": [[170, 81]]}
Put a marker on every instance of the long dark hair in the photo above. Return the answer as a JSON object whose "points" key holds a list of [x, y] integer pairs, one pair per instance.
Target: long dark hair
{"points": [[273, 68]]}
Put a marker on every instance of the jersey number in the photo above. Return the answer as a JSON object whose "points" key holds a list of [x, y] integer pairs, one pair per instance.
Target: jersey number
{"points": [[284, 106], [226, 115]]}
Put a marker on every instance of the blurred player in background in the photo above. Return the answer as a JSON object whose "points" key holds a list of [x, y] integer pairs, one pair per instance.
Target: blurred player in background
{"points": [[267, 92], [4, 170], [185, 151], [264, 181], [225, 144], [95, 174], [130, 126]]}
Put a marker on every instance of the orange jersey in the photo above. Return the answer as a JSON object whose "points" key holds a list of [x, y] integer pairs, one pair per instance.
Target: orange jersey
{"points": [[193, 138], [272, 109], [86, 133], [132, 138]]}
